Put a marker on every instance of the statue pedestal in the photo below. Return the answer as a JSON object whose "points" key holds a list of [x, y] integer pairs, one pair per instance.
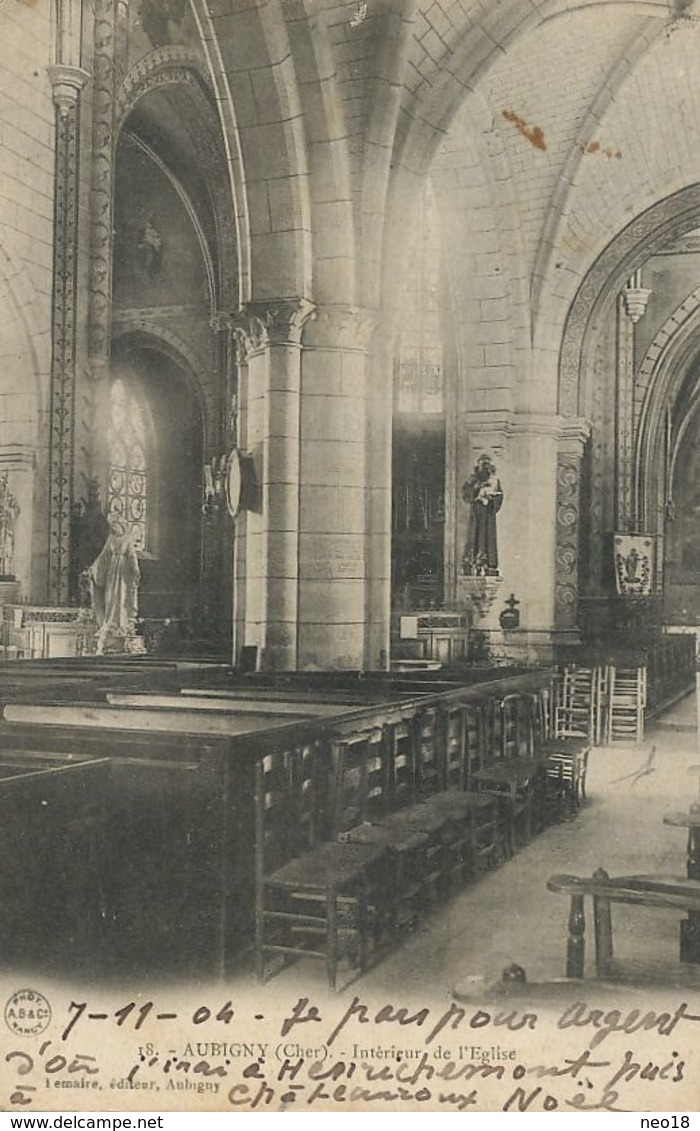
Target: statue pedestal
{"points": [[115, 642], [478, 592]]}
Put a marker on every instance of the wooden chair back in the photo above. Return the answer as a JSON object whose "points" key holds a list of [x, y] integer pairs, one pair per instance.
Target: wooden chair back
{"points": [[454, 744], [428, 753], [516, 726], [360, 779], [401, 753], [287, 815]]}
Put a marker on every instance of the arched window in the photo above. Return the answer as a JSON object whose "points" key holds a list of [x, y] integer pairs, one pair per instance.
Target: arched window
{"points": [[418, 367], [129, 483]]}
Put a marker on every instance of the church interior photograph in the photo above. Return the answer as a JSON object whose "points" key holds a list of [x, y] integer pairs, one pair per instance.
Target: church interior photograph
{"points": [[349, 481]]}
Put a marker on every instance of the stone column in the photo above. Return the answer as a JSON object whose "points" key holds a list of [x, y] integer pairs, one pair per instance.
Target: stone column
{"points": [[573, 434], [108, 40], [345, 515], [631, 306], [218, 530], [67, 81], [266, 580]]}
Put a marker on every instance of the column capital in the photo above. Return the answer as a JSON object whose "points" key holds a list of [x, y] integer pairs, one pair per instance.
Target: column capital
{"points": [[269, 322], [220, 321], [66, 83], [485, 429], [572, 434], [342, 327]]}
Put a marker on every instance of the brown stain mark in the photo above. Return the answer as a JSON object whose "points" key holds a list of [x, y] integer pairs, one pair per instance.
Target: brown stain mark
{"points": [[29, 3], [533, 134], [576, 244], [596, 147]]}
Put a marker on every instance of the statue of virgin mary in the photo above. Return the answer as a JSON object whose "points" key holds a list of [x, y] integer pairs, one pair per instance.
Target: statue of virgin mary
{"points": [[113, 580]]}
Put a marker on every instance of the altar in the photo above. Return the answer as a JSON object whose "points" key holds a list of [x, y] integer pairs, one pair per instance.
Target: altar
{"points": [[39, 632]]}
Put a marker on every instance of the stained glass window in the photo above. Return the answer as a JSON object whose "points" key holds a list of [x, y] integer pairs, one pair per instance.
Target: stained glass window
{"points": [[128, 465]]}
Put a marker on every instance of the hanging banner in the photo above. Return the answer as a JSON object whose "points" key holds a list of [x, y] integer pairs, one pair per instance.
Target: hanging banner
{"points": [[634, 564]]}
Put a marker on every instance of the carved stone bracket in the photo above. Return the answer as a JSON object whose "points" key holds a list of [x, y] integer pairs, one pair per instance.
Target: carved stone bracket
{"points": [[636, 299], [479, 591], [66, 85]]}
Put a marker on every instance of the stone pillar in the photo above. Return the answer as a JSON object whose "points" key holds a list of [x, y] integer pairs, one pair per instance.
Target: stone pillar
{"points": [[631, 306], [67, 82], [345, 527], [218, 530], [312, 557], [266, 568], [108, 40], [573, 434]]}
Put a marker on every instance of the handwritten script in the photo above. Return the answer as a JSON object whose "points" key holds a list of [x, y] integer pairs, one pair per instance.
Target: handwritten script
{"points": [[340, 1054]]}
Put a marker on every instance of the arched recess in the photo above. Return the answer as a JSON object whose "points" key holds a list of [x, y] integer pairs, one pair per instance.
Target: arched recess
{"points": [[588, 373], [154, 376], [185, 69], [173, 80], [175, 266], [661, 376], [681, 543]]}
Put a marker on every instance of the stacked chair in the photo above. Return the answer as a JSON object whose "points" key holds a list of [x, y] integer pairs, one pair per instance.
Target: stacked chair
{"points": [[627, 692], [562, 745], [581, 703]]}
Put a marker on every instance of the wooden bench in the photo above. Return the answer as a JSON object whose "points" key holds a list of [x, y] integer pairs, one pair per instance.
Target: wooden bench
{"points": [[675, 893]]}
